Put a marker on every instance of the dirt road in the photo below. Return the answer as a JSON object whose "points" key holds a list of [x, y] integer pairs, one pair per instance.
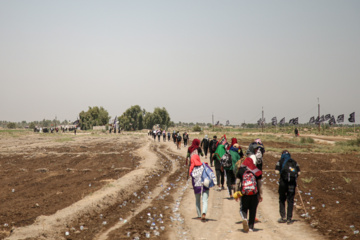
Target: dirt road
{"points": [[155, 199]]}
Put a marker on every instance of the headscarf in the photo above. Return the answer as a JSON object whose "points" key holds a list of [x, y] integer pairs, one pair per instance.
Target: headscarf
{"points": [[206, 137], [285, 155], [249, 164], [194, 145], [233, 141]]}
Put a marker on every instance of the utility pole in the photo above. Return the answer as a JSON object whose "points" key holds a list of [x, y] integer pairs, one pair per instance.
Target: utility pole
{"points": [[262, 120], [213, 120], [319, 113]]}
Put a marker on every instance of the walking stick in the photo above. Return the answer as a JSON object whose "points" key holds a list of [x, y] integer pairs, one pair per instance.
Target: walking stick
{"points": [[306, 214]]}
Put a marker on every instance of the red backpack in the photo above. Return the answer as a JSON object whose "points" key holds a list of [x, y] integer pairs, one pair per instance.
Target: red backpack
{"points": [[249, 184]]}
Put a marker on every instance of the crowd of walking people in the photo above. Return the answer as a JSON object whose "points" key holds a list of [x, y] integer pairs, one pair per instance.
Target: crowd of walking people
{"points": [[242, 171]]}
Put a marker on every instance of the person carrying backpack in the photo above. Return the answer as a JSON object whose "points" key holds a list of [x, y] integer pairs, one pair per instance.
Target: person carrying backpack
{"points": [[201, 186], [205, 145], [247, 179], [185, 138], [217, 156], [154, 134], [168, 134], [212, 148], [289, 170], [178, 140], [164, 136], [158, 134], [174, 137], [231, 171]]}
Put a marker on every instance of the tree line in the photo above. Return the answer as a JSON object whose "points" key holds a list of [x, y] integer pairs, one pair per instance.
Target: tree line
{"points": [[134, 118]]}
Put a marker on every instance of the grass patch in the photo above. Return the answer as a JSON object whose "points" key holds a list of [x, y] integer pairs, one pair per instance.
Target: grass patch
{"points": [[307, 140], [307, 179], [347, 180], [65, 139], [352, 143]]}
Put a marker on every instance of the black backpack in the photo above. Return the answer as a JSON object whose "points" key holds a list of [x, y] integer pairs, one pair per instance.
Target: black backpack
{"points": [[226, 160], [289, 171], [179, 138], [213, 145]]}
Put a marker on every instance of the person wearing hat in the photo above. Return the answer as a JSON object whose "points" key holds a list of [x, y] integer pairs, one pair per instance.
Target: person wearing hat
{"points": [[212, 146]]}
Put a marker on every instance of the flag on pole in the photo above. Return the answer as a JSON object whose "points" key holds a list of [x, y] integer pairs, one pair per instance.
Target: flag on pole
{"points": [[76, 122], [352, 117], [327, 117], [322, 119], [291, 121], [296, 121], [340, 118], [317, 121], [217, 123], [332, 120], [115, 120], [282, 121], [274, 121], [312, 120]]}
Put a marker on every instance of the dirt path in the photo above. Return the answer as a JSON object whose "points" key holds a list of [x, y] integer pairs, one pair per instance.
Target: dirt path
{"points": [[224, 220]]}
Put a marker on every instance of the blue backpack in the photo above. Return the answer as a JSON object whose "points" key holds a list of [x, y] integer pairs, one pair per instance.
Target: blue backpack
{"points": [[209, 175]]}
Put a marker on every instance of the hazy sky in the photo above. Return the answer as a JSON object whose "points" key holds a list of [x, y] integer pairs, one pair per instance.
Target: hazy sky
{"points": [[194, 58]]}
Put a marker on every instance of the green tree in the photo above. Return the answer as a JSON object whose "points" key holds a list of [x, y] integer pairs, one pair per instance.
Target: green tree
{"points": [[135, 118], [32, 125], [148, 122], [95, 116], [162, 117], [132, 118], [11, 125]]}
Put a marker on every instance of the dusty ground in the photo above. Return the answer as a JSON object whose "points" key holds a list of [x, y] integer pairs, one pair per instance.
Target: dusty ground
{"points": [[127, 186]]}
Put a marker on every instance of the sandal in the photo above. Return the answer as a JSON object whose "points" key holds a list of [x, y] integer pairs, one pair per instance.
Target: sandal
{"points": [[203, 219]]}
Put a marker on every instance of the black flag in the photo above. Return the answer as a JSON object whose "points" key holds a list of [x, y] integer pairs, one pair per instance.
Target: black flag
{"points": [[327, 117], [312, 120], [352, 117], [274, 121], [317, 121], [340, 118], [291, 121], [296, 121], [332, 120], [217, 123], [76, 122], [282, 121], [322, 119]]}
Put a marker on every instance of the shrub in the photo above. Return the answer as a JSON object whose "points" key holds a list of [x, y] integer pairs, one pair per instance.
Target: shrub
{"points": [[196, 128], [307, 140], [11, 125]]}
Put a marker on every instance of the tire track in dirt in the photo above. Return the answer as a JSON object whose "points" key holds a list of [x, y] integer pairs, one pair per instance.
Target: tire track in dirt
{"points": [[148, 202], [153, 220]]}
